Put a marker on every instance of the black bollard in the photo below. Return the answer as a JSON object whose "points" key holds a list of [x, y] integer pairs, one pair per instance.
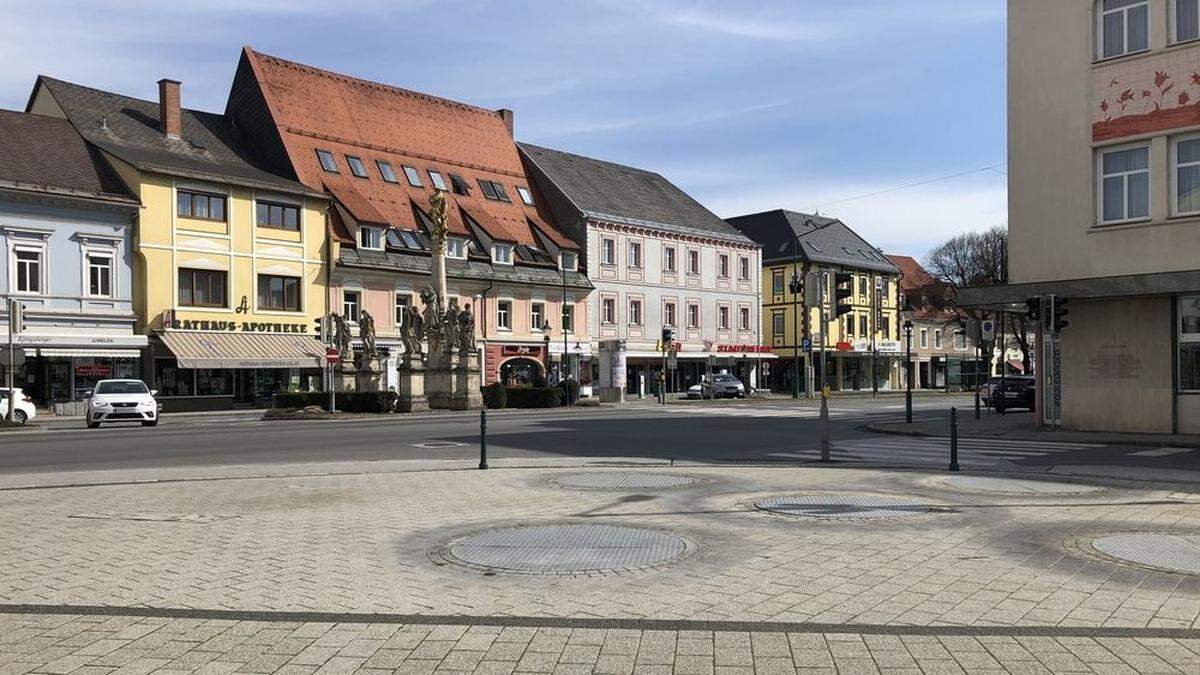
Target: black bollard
{"points": [[483, 438], [824, 428], [954, 439]]}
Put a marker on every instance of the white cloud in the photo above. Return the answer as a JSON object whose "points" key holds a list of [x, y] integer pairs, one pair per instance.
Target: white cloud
{"points": [[907, 221], [669, 119]]}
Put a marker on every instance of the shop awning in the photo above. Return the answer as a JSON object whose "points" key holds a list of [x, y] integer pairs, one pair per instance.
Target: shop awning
{"points": [[244, 350], [84, 353]]}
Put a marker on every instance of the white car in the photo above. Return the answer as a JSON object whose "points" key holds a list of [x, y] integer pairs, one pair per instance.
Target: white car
{"points": [[24, 408], [122, 401], [723, 385]]}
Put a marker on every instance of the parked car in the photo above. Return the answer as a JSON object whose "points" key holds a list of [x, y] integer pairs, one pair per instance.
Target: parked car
{"points": [[24, 408], [723, 385], [122, 401], [1015, 391]]}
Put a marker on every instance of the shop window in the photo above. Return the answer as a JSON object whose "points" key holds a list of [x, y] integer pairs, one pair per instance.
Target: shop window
{"points": [[1189, 343], [214, 382], [202, 288], [351, 303], [172, 380], [277, 216], [100, 275], [278, 293], [200, 205]]}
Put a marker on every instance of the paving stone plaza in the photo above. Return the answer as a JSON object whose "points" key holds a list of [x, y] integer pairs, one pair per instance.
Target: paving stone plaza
{"points": [[671, 569]]}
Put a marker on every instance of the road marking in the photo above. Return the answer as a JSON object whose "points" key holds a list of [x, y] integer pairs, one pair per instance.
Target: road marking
{"points": [[1160, 452]]}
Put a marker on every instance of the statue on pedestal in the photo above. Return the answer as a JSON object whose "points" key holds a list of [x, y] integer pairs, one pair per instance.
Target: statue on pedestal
{"points": [[466, 330], [366, 333], [412, 333], [341, 337]]}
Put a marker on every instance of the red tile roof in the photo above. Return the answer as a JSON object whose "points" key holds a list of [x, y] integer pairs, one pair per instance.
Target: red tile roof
{"points": [[318, 109], [912, 275]]}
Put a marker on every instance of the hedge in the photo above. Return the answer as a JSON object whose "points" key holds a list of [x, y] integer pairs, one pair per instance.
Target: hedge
{"points": [[534, 397], [353, 402], [495, 396]]}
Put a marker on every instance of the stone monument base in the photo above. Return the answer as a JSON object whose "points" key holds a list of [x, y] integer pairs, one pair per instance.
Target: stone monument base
{"points": [[345, 377], [465, 394], [370, 375], [412, 386]]}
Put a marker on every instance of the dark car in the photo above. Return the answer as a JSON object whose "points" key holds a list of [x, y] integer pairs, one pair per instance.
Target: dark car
{"points": [[1014, 391]]}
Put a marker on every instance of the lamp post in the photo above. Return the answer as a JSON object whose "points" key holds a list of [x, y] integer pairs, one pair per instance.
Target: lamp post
{"points": [[566, 368], [908, 374], [483, 460], [546, 347], [794, 286]]}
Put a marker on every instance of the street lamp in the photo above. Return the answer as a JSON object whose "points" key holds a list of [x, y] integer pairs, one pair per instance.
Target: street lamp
{"points": [[908, 374], [546, 347], [794, 286], [563, 321]]}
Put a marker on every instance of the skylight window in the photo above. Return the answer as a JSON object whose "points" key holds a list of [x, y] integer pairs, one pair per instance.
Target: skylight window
{"points": [[459, 184], [356, 166], [500, 193], [409, 239], [438, 181], [414, 178], [488, 190], [327, 161], [385, 171], [525, 195]]}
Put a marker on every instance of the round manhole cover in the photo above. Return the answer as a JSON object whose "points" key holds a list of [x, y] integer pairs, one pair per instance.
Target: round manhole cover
{"points": [[1168, 552], [844, 506], [566, 549], [622, 480], [1020, 486]]}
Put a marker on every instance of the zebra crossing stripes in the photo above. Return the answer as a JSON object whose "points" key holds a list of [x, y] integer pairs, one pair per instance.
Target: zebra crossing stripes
{"points": [[972, 451]]}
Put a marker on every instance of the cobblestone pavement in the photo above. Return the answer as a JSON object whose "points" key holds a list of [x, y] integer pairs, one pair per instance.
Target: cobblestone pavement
{"points": [[1003, 568]]}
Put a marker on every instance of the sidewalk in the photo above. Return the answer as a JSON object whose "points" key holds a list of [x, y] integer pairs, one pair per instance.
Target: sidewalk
{"points": [[1020, 426]]}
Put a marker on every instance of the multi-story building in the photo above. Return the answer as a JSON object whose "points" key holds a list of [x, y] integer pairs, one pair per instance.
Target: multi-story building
{"points": [[658, 259], [861, 342], [380, 152], [1104, 205], [229, 269], [65, 228], [944, 352]]}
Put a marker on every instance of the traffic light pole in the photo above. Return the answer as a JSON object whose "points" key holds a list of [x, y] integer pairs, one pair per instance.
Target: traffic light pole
{"points": [[12, 359]]}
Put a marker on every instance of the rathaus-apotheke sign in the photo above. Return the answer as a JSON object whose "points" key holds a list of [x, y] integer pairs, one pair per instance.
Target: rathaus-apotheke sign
{"points": [[237, 326]]}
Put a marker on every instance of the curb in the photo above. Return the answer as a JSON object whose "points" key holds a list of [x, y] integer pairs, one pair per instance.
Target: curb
{"points": [[1137, 442]]}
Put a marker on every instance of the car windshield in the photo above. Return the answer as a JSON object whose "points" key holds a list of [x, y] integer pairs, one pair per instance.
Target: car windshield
{"points": [[723, 378], [122, 387]]}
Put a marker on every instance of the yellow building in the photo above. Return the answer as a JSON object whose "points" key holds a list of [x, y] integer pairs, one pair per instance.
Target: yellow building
{"points": [[230, 260], [861, 341]]}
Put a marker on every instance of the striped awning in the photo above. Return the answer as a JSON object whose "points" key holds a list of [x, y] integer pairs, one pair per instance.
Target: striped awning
{"points": [[244, 350]]}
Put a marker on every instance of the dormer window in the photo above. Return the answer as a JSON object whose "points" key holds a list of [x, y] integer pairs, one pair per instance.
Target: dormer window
{"points": [[327, 161], [502, 254], [456, 247], [526, 195], [459, 185], [568, 260], [370, 237], [356, 166]]}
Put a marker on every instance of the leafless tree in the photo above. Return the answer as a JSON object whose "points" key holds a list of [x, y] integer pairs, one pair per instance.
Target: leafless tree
{"points": [[980, 259]]}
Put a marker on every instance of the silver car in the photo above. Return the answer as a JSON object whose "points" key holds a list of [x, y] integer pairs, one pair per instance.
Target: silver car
{"points": [[723, 385]]}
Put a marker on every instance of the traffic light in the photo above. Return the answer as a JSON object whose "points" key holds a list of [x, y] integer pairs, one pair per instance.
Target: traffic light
{"points": [[667, 336], [843, 290], [1060, 314], [1033, 309], [321, 323], [16, 316]]}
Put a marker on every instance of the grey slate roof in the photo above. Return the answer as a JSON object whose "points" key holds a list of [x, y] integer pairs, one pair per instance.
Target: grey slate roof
{"points": [[624, 194], [835, 243], [45, 154], [474, 270], [129, 129]]}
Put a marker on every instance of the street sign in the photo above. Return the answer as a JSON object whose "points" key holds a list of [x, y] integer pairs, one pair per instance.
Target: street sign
{"points": [[806, 344], [332, 355], [987, 330]]}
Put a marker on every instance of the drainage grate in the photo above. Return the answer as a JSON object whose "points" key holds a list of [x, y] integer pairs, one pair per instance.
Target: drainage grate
{"points": [[622, 480], [1018, 486], [844, 506], [1168, 552], [566, 549]]}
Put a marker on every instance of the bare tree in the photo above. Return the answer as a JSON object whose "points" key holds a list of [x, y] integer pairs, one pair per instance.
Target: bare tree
{"points": [[980, 259]]}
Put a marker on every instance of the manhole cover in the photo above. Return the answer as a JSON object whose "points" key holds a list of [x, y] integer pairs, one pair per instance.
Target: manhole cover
{"points": [[1169, 552], [433, 445], [565, 549], [621, 480], [1018, 485], [844, 506]]}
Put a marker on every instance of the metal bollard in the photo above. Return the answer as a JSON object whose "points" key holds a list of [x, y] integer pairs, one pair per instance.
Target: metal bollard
{"points": [[954, 439], [977, 400], [483, 438], [824, 428]]}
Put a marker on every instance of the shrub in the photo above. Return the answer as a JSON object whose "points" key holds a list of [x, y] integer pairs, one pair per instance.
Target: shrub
{"points": [[570, 391], [534, 397], [495, 396], [539, 379], [352, 402]]}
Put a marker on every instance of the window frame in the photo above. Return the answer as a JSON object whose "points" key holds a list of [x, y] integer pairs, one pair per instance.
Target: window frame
{"points": [[1174, 171], [284, 207], [670, 314], [459, 185], [525, 195], [412, 176], [724, 317], [693, 254], [398, 313], [670, 259], [635, 314], [924, 338], [745, 319], [723, 267], [111, 276], [358, 304], [562, 261], [285, 307], [537, 315], [778, 284], [633, 254], [698, 324], [1100, 177], [437, 179], [608, 251], [1183, 338], [1101, 13], [608, 310], [209, 197], [363, 230], [743, 268], [388, 176], [43, 276], [323, 155], [937, 338], [466, 247], [567, 311], [1174, 10], [354, 162], [778, 325], [193, 272], [504, 308], [503, 246]]}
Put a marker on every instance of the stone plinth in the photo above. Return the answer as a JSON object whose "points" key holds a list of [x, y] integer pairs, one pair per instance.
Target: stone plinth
{"points": [[412, 385], [370, 374], [465, 394], [345, 376]]}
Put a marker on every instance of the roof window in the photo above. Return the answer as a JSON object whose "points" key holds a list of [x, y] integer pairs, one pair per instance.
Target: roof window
{"points": [[414, 178], [459, 184], [526, 196], [356, 166], [327, 161], [386, 171], [438, 181]]}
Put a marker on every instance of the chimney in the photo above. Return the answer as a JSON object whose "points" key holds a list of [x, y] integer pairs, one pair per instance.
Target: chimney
{"points": [[507, 116], [168, 107]]}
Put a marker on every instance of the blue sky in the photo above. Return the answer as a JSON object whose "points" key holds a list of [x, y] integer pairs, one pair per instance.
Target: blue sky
{"points": [[748, 106]]}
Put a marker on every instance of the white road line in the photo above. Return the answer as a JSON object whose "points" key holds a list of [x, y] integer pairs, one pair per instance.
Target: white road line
{"points": [[1160, 452]]}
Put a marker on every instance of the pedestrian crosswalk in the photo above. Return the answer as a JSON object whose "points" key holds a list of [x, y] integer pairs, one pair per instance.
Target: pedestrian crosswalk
{"points": [[796, 412], [972, 452]]}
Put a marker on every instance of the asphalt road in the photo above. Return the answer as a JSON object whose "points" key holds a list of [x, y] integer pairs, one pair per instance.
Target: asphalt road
{"points": [[726, 431]]}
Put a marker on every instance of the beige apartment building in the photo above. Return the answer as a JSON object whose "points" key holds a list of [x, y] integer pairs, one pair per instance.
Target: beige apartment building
{"points": [[1104, 203]]}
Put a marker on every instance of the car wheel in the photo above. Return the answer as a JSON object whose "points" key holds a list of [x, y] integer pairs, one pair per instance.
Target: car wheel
{"points": [[93, 425], [150, 423], [20, 417]]}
